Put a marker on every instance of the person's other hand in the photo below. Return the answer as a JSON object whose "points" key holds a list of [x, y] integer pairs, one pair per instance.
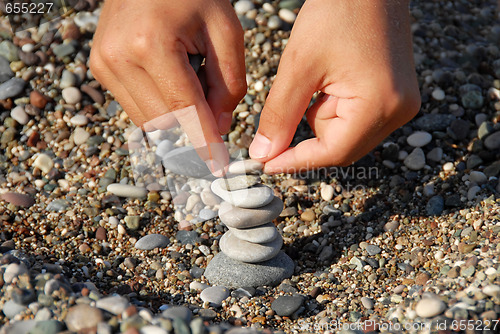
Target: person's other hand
{"points": [[359, 54], [140, 53]]}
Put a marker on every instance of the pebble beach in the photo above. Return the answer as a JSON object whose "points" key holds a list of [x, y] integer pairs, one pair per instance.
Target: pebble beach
{"points": [[406, 240]]}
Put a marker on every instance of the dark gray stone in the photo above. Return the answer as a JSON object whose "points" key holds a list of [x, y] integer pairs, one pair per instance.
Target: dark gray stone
{"points": [[152, 241], [187, 237], [222, 270], [492, 142], [285, 306], [11, 88], [435, 206], [434, 122], [5, 71], [185, 161], [459, 129], [178, 312]]}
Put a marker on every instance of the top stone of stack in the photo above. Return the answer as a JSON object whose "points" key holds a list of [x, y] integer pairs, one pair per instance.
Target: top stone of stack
{"points": [[246, 167]]}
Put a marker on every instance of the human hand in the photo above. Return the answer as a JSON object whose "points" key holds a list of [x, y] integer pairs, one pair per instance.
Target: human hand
{"points": [[140, 53], [359, 54]]}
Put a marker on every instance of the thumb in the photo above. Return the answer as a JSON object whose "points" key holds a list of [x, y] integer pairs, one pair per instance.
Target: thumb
{"points": [[285, 105]]}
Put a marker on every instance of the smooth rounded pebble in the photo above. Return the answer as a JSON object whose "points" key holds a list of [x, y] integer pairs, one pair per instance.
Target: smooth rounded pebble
{"points": [[430, 307], [247, 251], [236, 217], [18, 199], [285, 306], [207, 214], [113, 304], [68, 79], [126, 190], [373, 250], [243, 6], [419, 139], [82, 317], [327, 192], [251, 198], [71, 95], [245, 167], [259, 234], [79, 120], [415, 160], [287, 15], [438, 94], [19, 115], [80, 136], [11, 309], [477, 177], [43, 162], [367, 302], [238, 182], [223, 270], [492, 142], [152, 241], [214, 295]]}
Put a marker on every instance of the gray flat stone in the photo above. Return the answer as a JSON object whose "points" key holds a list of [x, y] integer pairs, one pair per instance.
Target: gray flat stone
{"points": [[215, 295], [238, 182], [259, 234], [236, 217], [222, 270], [249, 252], [11, 88], [152, 241], [178, 312], [185, 161], [251, 198], [285, 306]]}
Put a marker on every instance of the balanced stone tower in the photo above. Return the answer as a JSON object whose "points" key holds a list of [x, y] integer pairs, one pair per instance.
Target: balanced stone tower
{"points": [[251, 248]]}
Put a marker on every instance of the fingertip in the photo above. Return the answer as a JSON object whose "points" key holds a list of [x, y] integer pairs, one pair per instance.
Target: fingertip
{"points": [[224, 122], [260, 148]]}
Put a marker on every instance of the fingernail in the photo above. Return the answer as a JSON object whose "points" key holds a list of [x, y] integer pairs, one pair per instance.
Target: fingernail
{"points": [[260, 147], [215, 167]]}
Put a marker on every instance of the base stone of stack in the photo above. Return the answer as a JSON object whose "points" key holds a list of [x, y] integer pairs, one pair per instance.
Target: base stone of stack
{"points": [[222, 270]]}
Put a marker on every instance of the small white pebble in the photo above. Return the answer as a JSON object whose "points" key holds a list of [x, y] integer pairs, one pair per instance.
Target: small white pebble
{"points": [[438, 94]]}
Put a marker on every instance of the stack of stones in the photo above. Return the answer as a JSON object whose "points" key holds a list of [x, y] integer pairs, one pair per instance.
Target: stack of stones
{"points": [[250, 249]]}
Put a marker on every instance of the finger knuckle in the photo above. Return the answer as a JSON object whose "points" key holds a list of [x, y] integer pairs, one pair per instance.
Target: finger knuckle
{"points": [[109, 54], [96, 64], [140, 45], [176, 103]]}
